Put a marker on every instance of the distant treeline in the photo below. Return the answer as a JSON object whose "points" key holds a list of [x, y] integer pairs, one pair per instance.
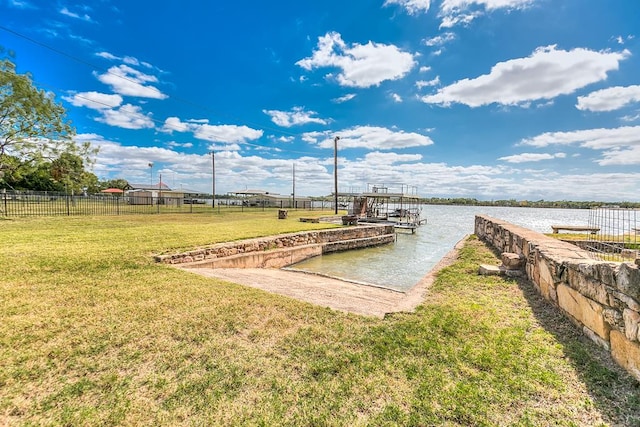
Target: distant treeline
{"points": [[564, 204]]}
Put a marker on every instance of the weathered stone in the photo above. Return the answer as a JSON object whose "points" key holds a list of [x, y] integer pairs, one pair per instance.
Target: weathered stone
{"points": [[626, 353], [606, 273], [613, 318], [489, 270], [586, 286], [583, 309], [545, 279], [512, 261], [628, 280], [622, 301], [602, 298], [595, 338], [631, 324]]}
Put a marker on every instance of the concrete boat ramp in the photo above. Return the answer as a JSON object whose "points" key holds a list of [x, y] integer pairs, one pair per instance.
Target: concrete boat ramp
{"points": [[338, 294], [319, 290]]}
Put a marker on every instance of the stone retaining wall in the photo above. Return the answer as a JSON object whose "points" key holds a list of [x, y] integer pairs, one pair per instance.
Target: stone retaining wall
{"points": [[602, 298], [284, 249]]}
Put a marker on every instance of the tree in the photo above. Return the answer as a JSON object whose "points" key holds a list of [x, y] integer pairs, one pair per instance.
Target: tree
{"points": [[68, 170], [33, 127], [120, 183]]}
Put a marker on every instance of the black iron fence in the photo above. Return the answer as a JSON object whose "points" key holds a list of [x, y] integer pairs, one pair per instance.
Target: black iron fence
{"points": [[16, 203]]}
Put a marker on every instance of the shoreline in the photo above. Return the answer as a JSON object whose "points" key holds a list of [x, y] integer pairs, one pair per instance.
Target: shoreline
{"points": [[338, 294]]}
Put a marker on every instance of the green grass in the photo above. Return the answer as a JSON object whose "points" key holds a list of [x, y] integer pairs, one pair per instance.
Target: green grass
{"points": [[93, 332]]}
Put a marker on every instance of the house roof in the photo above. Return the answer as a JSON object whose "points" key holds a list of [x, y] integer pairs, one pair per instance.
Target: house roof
{"points": [[161, 186], [253, 193]]}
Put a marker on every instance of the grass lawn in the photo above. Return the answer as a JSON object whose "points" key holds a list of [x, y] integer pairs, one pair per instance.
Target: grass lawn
{"points": [[93, 332]]}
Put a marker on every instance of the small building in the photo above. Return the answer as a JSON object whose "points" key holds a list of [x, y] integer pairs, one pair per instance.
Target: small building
{"points": [[154, 194], [268, 199]]}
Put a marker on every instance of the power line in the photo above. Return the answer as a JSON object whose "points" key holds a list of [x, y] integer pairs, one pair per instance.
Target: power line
{"points": [[173, 97]]}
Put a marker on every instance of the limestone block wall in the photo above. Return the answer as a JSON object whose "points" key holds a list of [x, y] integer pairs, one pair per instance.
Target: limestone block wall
{"points": [[601, 297], [268, 249]]}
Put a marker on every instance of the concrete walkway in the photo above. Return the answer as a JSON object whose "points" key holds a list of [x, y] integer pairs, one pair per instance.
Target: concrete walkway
{"points": [[329, 292]]}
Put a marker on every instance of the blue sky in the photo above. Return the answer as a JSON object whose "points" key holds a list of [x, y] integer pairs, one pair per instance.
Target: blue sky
{"points": [[492, 99]]}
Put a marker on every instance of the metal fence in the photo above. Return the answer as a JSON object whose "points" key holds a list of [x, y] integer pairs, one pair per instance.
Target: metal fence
{"points": [[618, 235], [19, 204]]}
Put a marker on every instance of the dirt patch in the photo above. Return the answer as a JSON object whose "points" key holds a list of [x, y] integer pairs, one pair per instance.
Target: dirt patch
{"points": [[330, 292]]}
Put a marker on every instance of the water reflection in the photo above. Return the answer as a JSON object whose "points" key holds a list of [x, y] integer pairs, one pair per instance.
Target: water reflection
{"points": [[400, 265]]}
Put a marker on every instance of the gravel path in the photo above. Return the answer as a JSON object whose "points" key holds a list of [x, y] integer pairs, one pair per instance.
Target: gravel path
{"points": [[337, 294]]}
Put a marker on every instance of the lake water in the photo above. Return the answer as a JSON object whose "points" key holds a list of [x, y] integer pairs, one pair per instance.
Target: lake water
{"points": [[401, 265]]}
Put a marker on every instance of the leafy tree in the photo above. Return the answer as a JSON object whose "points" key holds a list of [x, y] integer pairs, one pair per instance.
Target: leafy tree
{"points": [[67, 169], [30, 177], [33, 127], [120, 183]]}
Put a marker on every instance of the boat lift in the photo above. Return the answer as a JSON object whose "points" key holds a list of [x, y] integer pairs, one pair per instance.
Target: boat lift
{"points": [[398, 206]]}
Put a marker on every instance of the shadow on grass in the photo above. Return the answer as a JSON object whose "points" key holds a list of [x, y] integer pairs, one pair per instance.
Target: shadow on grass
{"points": [[615, 393]]}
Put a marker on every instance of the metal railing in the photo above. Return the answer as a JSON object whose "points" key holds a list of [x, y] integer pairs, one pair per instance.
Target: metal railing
{"points": [[20, 204], [618, 235]]}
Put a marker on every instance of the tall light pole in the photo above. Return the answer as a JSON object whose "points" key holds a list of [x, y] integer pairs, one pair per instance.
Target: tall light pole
{"points": [[213, 180], [150, 175], [335, 174], [293, 189]]}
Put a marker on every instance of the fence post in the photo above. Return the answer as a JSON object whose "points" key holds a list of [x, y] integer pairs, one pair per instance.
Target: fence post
{"points": [[4, 197]]}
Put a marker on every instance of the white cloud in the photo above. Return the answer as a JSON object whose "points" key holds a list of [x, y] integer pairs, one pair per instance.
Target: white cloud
{"points": [[226, 133], [424, 69], [425, 83], [627, 156], [174, 144], [19, 4], [174, 124], [94, 100], [620, 146], [369, 137], [547, 73], [396, 97], [622, 40], [630, 118], [532, 157], [378, 158], [592, 138], [361, 65], [107, 55], [131, 82], [454, 12], [84, 17], [297, 116], [345, 98], [441, 39], [314, 175], [224, 147], [609, 99], [129, 60], [412, 7], [127, 116], [285, 139]]}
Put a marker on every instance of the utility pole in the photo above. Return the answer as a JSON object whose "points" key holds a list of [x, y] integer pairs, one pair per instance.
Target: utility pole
{"points": [[150, 175], [159, 193], [335, 174], [213, 180], [293, 193]]}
